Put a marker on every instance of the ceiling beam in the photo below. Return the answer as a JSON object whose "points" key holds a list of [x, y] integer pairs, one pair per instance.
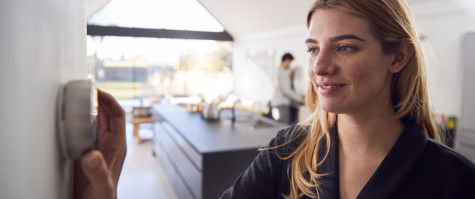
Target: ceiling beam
{"points": [[95, 30]]}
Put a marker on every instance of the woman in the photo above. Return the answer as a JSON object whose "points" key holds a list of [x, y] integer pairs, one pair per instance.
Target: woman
{"points": [[371, 134]]}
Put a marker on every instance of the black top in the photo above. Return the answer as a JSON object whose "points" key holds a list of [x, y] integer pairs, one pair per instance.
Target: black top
{"points": [[415, 167], [212, 137]]}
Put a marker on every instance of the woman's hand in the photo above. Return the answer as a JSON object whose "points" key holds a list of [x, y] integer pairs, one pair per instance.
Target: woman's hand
{"points": [[97, 173]]}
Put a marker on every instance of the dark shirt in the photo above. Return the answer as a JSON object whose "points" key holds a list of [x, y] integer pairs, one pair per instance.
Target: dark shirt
{"points": [[415, 167]]}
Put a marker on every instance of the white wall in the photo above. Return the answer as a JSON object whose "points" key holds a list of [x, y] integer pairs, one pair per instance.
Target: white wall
{"points": [[444, 24], [42, 45]]}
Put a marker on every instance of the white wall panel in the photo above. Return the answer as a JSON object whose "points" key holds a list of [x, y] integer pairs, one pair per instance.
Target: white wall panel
{"points": [[42, 45], [465, 141]]}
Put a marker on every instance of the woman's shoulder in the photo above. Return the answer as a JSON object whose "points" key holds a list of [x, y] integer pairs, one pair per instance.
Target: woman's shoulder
{"points": [[288, 139], [448, 161]]}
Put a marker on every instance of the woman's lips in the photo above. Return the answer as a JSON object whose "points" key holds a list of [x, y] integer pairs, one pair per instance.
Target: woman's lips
{"points": [[329, 88]]}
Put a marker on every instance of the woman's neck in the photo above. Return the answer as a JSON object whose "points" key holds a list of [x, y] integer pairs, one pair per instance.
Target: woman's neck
{"points": [[370, 132]]}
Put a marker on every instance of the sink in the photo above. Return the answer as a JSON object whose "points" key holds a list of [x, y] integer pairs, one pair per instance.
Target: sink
{"points": [[252, 121]]}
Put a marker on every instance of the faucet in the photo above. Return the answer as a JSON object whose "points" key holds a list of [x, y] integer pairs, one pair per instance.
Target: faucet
{"points": [[233, 117], [233, 111]]}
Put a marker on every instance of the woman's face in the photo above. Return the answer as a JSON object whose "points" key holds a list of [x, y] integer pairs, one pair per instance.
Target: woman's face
{"points": [[347, 66]]}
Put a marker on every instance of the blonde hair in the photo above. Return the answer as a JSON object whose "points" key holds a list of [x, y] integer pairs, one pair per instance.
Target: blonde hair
{"points": [[391, 21]]}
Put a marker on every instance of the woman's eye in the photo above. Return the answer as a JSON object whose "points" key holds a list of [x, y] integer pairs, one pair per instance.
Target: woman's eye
{"points": [[312, 50], [345, 49]]}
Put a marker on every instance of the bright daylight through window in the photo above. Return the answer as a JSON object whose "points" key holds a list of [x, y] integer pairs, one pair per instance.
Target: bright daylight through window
{"points": [[140, 67]]}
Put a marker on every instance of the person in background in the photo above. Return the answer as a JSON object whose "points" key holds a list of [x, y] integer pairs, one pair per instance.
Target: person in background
{"points": [[286, 99]]}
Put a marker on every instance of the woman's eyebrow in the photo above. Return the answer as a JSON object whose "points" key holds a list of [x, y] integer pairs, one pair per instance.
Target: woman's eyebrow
{"points": [[310, 41], [343, 37], [338, 38]]}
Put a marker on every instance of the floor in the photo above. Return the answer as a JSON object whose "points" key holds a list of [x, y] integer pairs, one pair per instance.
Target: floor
{"points": [[142, 175]]}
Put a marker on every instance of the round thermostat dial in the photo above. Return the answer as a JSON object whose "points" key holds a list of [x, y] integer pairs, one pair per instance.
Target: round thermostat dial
{"points": [[77, 118]]}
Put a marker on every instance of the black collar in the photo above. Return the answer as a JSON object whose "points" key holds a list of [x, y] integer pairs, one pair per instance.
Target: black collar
{"points": [[390, 174]]}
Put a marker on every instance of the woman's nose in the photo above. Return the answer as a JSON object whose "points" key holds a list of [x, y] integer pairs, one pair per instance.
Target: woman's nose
{"points": [[322, 64]]}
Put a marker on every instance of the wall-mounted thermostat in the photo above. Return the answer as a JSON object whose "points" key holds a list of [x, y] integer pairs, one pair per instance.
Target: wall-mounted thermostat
{"points": [[77, 118]]}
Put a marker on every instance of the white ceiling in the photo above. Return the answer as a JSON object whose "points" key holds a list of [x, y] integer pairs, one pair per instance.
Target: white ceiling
{"points": [[92, 6], [243, 17]]}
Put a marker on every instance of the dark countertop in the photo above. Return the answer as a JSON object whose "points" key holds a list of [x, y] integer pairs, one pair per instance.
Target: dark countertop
{"points": [[210, 137]]}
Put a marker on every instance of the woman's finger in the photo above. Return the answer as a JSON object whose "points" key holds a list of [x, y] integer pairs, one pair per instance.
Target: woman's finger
{"points": [[112, 135], [112, 107], [116, 166], [115, 113], [99, 176]]}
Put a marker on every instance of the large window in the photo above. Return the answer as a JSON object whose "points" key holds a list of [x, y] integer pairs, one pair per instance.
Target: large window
{"points": [[148, 67], [159, 48]]}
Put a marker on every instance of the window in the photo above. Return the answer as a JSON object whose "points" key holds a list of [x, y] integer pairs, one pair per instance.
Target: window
{"points": [[148, 67], [166, 61]]}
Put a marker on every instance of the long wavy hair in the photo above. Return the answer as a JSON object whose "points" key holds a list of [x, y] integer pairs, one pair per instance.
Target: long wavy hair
{"points": [[391, 21]]}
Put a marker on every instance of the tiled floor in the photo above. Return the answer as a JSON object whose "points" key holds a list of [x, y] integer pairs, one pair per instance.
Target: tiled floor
{"points": [[142, 176]]}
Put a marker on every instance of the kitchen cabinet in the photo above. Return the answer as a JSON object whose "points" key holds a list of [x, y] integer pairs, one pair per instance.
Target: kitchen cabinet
{"points": [[203, 158]]}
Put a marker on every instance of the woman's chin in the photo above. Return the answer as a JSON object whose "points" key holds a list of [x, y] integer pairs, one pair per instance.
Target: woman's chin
{"points": [[332, 108]]}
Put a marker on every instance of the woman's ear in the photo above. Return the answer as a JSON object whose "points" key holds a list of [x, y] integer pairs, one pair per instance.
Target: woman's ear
{"points": [[402, 55]]}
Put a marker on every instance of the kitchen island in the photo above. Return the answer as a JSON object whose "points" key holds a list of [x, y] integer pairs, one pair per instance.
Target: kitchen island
{"points": [[203, 158]]}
